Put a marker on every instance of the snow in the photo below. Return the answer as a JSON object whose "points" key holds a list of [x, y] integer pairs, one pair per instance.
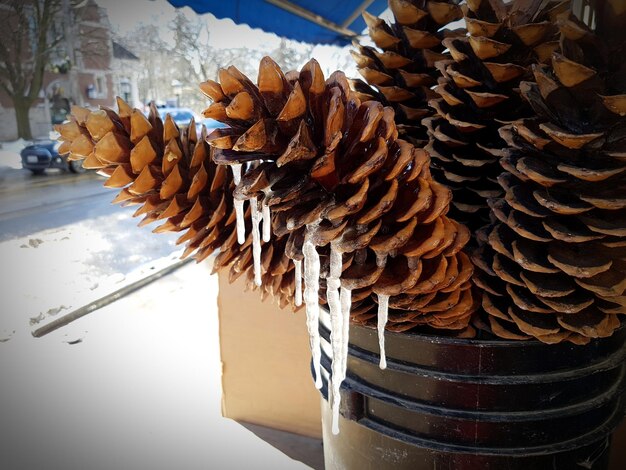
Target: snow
{"points": [[256, 240], [267, 223], [381, 260], [311, 290], [298, 275], [383, 311], [10, 154]]}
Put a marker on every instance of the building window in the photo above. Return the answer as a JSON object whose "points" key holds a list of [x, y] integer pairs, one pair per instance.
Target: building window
{"points": [[125, 90], [100, 86]]}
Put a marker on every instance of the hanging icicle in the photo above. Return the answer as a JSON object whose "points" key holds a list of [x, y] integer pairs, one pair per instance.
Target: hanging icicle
{"points": [[238, 203], [236, 168], [311, 292], [267, 222], [383, 311], [345, 299], [298, 278], [256, 240], [333, 283], [241, 223]]}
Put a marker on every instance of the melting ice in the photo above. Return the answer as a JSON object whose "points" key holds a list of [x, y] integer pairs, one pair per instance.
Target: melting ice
{"points": [[256, 240], [311, 290], [383, 310]]}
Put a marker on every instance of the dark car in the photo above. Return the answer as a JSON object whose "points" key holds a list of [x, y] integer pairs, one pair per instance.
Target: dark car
{"points": [[43, 154]]}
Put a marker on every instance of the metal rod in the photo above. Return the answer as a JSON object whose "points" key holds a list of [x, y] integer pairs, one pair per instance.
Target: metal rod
{"points": [[313, 17], [107, 299], [356, 13]]}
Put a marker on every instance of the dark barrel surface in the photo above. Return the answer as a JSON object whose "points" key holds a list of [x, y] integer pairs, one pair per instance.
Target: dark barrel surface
{"points": [[472, 404]]}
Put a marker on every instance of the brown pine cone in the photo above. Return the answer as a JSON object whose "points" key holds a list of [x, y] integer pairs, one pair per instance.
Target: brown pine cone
{"points": [[558, 249], [478, 90], [341, 186], [169, 173], [404, 71]]}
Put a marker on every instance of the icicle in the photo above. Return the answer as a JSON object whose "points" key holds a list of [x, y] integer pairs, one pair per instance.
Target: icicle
{"points": [[298, 276], [236, 173], [267, 222], [383, 310], [336, 331], [340, 355], [311, 292], [256, 240], [345, 298], [241, 224]]}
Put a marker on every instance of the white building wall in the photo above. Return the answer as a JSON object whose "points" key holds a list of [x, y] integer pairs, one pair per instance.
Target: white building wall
{"points": [[39, 126]]}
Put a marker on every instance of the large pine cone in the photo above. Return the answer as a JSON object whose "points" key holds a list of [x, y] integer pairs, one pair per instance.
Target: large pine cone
{"points": [[478, 90], [335, 177], [559, 246], [404, 71], [169, 173]]}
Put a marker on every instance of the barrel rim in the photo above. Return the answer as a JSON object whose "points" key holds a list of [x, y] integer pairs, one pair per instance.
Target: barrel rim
{"points": [[606, 396], [438, 339], [610, 361]]}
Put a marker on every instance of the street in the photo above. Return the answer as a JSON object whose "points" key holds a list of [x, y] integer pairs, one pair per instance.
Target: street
{"points": [[63, 244], [34, 203]]}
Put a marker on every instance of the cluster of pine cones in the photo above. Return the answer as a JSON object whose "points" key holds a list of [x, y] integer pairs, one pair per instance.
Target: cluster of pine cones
{"points": [[477, 182]]}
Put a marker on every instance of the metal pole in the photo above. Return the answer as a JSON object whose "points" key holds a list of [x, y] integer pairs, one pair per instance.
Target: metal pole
{"points": [[313, 17]]}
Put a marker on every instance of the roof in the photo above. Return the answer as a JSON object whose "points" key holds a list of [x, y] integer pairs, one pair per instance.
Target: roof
{"points": [[318, 22], [120, 52]]}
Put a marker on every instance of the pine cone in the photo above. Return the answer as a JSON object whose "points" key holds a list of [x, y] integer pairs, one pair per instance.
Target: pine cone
{"points": [[559, 246], [404, 72], [341, 186], [478, 89], [169, 173]]}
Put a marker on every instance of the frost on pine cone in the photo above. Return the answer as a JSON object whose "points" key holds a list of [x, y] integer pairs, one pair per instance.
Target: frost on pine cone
{"points": [[403, 70], [356, 203], [478, 90], [558, 249], [168, 172]]}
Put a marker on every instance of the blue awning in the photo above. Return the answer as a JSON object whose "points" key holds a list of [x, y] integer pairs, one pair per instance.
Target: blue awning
{"points": [[313, 21]]}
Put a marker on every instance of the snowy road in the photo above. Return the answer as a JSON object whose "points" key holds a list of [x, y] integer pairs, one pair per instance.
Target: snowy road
{"points": [[63, 244]]}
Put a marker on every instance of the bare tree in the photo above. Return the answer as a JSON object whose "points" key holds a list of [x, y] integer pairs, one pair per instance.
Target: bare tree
{"points": [[291, 55], [156, 61], [25, 46]]}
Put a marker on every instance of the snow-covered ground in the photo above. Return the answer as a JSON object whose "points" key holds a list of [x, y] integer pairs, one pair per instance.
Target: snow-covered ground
{"points": [[54, 271], [10, 154], [141, 391]]}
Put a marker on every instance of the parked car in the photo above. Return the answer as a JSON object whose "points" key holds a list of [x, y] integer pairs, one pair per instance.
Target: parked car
{"points": [[182, 116], [43, 154], [210, 124]]}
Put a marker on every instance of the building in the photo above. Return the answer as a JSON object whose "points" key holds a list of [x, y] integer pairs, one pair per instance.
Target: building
{"points": [[126, 68], [87, 68]]}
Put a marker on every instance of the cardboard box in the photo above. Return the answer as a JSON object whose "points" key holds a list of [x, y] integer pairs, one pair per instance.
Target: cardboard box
{"points": [[266, 376]]}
